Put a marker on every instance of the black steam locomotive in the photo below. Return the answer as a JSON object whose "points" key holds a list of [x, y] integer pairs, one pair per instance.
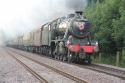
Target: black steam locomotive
{"points": [[66, 38]]}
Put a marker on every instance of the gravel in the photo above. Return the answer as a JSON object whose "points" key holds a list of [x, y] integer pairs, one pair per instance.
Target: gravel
{"points": [[114, 67], [49, 75], [85, 74], [12, 72]]}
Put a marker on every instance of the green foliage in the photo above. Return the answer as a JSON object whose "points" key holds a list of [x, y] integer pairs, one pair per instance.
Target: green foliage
{"points": [[91, 2], [108, 19], [111, 60]]}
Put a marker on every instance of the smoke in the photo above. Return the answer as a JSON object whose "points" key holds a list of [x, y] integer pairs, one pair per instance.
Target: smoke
{"points": [[21, 16], [77, 5], [56, 8]]}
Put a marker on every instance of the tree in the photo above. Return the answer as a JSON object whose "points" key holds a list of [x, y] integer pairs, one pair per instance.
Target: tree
{"points": [[108, 19]]}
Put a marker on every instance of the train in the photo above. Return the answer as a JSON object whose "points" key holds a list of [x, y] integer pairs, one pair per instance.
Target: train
{"points": [[67, 38]]}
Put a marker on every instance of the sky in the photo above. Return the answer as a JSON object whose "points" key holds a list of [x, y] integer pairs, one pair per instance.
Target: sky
{"points": [[18, 17]]}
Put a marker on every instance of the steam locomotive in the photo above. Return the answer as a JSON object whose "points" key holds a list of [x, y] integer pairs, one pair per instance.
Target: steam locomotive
{"points": [[66, 38]]}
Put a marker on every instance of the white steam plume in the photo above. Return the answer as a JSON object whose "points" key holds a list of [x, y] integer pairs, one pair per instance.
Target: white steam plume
{"points": [[21, 16]]}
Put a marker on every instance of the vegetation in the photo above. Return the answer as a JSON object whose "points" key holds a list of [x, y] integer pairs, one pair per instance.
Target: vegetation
{"points": [[108, 19]]}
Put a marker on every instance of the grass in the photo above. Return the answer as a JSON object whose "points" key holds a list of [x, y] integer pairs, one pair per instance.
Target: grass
{"points": [[109, 60]]}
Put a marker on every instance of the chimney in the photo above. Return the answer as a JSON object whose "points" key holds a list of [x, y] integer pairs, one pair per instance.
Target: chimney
{"points": [[79, 12]]}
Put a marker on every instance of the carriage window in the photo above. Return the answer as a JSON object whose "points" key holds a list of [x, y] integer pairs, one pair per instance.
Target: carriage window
{"points": [[54, 25], [46, 27]]}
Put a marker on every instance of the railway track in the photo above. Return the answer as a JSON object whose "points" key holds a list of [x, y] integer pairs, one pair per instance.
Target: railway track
{"points": [[41, 79], [108, 70], [99, 68], [120, 73], [103, 69], [77, 80]]}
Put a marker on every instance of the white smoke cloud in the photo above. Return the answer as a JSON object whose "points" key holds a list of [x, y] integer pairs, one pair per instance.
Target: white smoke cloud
{"points": [[21, 16]]}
